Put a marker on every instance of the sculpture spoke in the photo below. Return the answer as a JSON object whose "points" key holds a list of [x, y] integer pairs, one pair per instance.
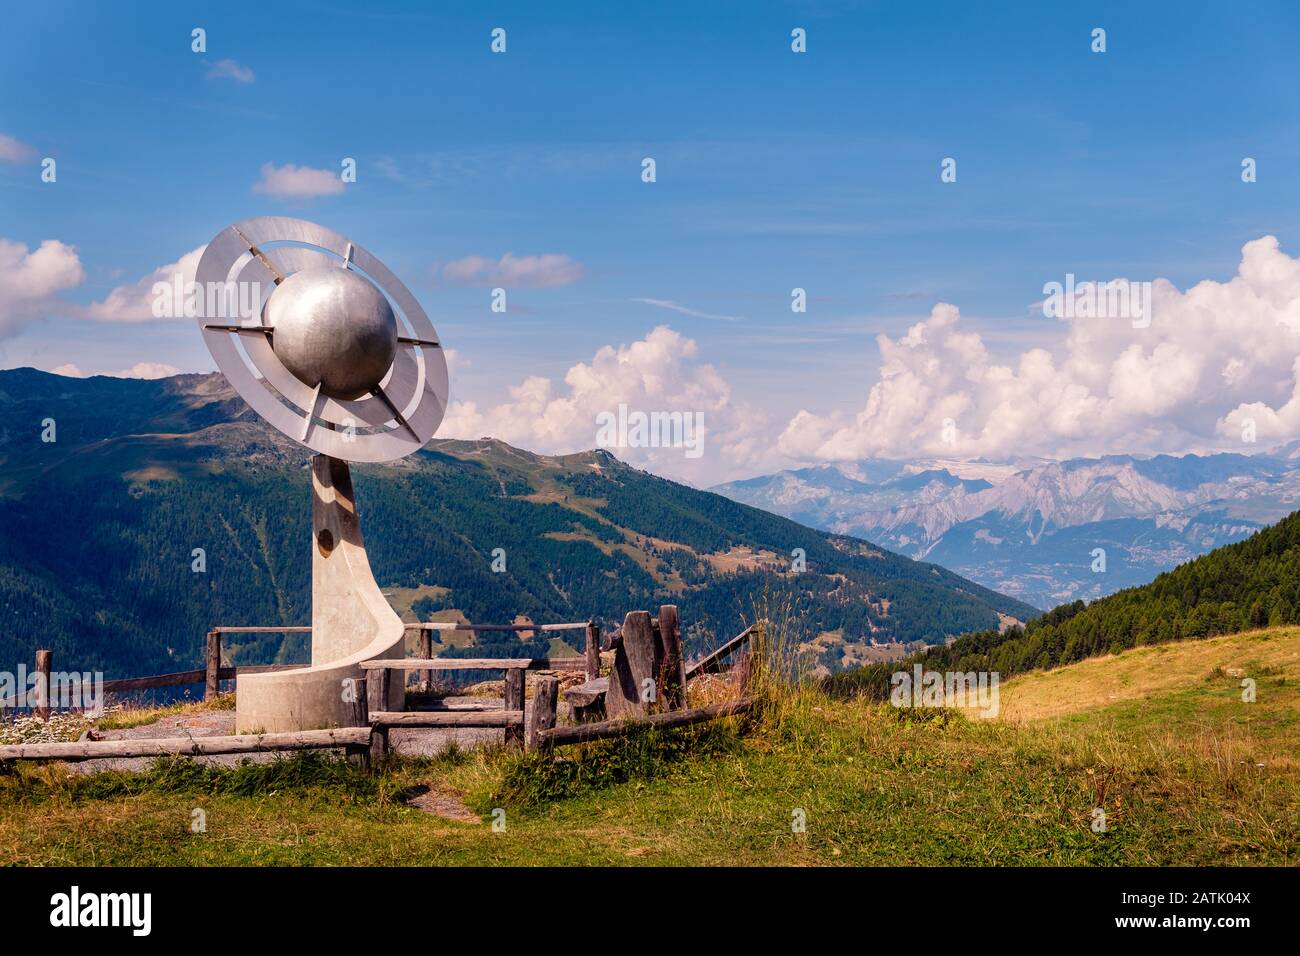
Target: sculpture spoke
{"points": [[380, 394], [311, 412], [238, 328], [261, 256]]}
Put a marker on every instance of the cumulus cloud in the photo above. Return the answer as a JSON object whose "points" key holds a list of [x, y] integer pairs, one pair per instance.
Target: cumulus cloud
{"points": [[12, 151], [147, 370], [231, 70], [30, 280], [517, 272], [658, 373], [297, 182], [1212, 357], [138, 370], [455, 360], [134, 302]]}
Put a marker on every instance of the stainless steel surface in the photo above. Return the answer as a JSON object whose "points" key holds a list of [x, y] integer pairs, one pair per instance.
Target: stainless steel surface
{"points": [[334, 329], [340, 377]]}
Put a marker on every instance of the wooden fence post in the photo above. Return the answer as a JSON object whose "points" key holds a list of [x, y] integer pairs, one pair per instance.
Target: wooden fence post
{"points": [[377, 682], [635, 663], [44, 661], [743, 668], [359, 716], [542, 716], [426, 651], [672, 671], [593, 650], [515, 701], [757, 660], [212, 666]]}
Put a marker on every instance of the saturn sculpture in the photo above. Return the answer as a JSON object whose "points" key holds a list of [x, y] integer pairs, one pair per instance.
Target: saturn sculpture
{"points": [[339, 356]]}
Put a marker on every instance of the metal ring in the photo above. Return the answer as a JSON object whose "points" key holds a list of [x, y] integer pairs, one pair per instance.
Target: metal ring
{"points": [[402, 413]]}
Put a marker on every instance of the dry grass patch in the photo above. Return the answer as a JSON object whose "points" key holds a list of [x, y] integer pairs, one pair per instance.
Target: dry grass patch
{"points": [[1150, 671]]}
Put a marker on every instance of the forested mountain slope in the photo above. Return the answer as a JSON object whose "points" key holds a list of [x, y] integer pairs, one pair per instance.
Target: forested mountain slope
{"points": [[1253, 583], [98, 530]]}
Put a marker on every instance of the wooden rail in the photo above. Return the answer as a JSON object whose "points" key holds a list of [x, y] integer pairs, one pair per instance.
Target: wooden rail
{"points": [[455, 626], [461, 705], [346, 737], [424, 649], [447, 718], [712, 662], [192, 677], [475, 664], [580, 733], [175, 679]]}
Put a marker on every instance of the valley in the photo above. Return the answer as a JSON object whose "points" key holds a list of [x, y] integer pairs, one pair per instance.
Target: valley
{"points": [[98, 531], [1031, 529]]}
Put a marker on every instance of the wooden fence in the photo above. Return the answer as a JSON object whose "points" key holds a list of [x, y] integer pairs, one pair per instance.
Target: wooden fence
{"points": [[637, 642], [372, 719], [213, 671], [590, 660]]}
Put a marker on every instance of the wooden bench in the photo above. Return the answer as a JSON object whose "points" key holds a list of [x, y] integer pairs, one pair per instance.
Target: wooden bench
{"points": [[588, 700]]}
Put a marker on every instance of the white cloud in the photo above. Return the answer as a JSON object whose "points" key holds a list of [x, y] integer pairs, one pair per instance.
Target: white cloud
{"points": [[297, 182], [455, 360], [138, 370], [675, 307], [522, 272], [30, 280], [231, 70], [657, 373], [146, 370], [12, 151], [134, 302], [1212, 356]]}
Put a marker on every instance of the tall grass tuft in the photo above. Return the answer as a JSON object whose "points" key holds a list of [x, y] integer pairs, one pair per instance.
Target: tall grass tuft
{"points": [[786, 692]]}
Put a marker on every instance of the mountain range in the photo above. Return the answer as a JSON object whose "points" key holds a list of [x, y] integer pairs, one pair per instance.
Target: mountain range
{"points": [[137, 514], [1046, 532], [1248, 585]]}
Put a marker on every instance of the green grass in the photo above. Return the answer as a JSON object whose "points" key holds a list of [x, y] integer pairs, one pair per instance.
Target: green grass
{"points": [[1186, 774]]}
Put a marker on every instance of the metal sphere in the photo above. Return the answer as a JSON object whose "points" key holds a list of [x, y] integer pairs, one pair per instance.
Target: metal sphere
{"points": [[331, 327]]}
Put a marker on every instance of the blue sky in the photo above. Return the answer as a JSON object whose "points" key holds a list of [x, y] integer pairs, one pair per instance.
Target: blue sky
{"points": [[775, 169]]}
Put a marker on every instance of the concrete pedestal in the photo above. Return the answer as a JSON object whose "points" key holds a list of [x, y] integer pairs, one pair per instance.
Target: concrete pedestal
{"points": [[350, 618]]}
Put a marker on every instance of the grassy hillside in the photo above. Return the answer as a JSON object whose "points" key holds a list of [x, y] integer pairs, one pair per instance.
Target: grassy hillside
{"points": [[1137, 680], [1246, 585], [98, 529], [1157, 737]]}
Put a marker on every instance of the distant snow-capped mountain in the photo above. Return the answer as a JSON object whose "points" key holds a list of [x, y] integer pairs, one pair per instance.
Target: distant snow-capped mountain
{"points": [[1031, 529]]}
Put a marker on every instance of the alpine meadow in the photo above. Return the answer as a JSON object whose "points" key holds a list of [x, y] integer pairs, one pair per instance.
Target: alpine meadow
{"points": [[653, 452]]}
